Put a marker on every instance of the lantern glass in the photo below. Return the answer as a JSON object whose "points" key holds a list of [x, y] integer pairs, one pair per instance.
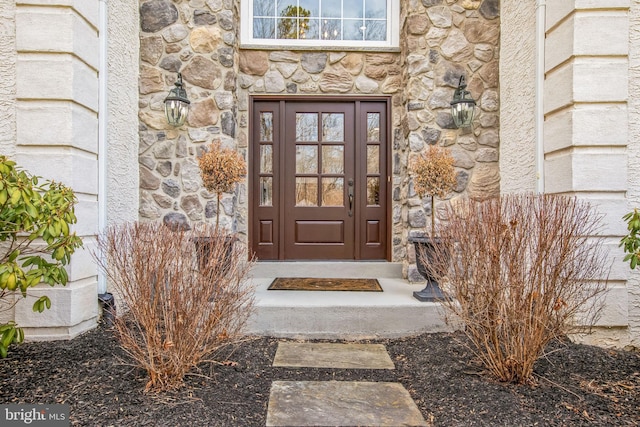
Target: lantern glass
{"points": [[176, 104], [463, 113], [176, 111], [463, 106]]}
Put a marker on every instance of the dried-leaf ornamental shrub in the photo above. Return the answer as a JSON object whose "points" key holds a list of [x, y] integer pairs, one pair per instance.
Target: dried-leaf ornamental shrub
{"points": [[524, 270], [221, 169], [434, 175], [177, 311]]}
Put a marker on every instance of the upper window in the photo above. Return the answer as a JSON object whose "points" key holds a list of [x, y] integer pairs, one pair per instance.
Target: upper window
{"points": [[329, 23]]}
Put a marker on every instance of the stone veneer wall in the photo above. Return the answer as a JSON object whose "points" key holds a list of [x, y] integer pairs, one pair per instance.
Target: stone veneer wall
{"points": [[441, 39], [200, 40]]}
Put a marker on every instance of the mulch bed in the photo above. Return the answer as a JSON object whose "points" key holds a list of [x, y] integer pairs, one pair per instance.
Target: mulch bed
{"points": [[575, 385]]}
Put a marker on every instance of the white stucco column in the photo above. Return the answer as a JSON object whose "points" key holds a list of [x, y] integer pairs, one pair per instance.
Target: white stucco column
{"points": [[633, 161], [123, 56], [586, 130], [517, 94], [9, 56], [56, 137]]}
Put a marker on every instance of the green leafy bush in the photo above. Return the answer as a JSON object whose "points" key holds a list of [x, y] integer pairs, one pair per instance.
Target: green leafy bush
{"points": [[631, 242], [35, 238]]}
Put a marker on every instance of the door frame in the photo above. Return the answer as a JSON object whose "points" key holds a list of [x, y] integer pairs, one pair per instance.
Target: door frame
{"points": [[320, 98]]}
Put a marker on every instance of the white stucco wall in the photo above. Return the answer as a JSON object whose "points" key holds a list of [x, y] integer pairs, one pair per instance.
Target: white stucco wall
{"points": [[591, 125], [122, 132], [56, 137], [8, 82], [586, 93], [633, 165], [517, 95]]}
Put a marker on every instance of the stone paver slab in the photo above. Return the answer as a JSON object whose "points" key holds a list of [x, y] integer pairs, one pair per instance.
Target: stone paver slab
{"points": [[332, 355], [341, 403]]}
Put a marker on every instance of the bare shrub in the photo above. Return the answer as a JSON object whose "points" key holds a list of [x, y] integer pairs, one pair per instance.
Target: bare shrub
{"points": [[179, 310], [519, 271]]}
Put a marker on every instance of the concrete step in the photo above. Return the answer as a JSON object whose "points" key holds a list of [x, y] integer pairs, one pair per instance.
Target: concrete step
{"points": [[344, 315], [328, 269]]}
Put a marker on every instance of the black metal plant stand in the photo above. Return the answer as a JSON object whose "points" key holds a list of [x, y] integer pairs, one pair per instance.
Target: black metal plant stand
{"points": [[425, 252]]}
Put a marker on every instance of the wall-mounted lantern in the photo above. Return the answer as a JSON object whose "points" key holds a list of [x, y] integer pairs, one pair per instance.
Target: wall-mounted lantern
{"points": [[463, 105], [176, 104]]}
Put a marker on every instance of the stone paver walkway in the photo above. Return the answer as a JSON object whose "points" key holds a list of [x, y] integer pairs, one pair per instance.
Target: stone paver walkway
{"points": [[330, 355], [339, 403]]}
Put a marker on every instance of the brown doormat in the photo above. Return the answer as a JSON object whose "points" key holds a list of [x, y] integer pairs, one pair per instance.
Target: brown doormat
{"points": [[314, 284]]}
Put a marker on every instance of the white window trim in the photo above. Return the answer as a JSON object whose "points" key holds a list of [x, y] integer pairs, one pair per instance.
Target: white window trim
{"points": [[247, 40]]}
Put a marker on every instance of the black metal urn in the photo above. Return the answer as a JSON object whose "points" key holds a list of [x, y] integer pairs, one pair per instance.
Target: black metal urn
{"points": [[425, 247], [205, 249]]}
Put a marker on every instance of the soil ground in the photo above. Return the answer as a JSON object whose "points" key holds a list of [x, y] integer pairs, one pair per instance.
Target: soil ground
{"points": [[574, 385]]}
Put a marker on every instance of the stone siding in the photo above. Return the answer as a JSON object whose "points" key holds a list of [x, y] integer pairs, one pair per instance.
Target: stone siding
{"points": [[440, 40], [201, 42]]}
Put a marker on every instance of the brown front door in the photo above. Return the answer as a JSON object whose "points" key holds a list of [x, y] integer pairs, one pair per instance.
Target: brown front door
{"points": [[319, 179]]}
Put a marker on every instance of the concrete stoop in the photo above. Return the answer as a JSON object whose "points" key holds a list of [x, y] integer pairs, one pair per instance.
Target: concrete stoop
{"points": [[341, 315]]}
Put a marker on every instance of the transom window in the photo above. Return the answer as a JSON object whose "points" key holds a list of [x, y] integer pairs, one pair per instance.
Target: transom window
{"points": [[329, 23]]}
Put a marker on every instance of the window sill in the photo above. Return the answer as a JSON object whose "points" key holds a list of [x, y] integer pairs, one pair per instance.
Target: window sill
{"points": [[383, 49]]}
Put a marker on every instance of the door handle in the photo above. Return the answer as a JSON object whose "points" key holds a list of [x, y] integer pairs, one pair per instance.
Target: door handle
{"points": [[350, 183]]}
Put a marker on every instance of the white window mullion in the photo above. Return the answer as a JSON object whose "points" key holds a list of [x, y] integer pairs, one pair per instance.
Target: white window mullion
{"points": [[392, 28]]}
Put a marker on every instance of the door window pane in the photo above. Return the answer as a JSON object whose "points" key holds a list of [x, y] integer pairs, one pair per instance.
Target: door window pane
{"points": [[373, 159], [266, 159], [306, 191], [332, 191], [333, 159], [266, 191], [306, 159], [266, 127], [306, 127], [333, 127], [373, 127], [373, 191]]}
